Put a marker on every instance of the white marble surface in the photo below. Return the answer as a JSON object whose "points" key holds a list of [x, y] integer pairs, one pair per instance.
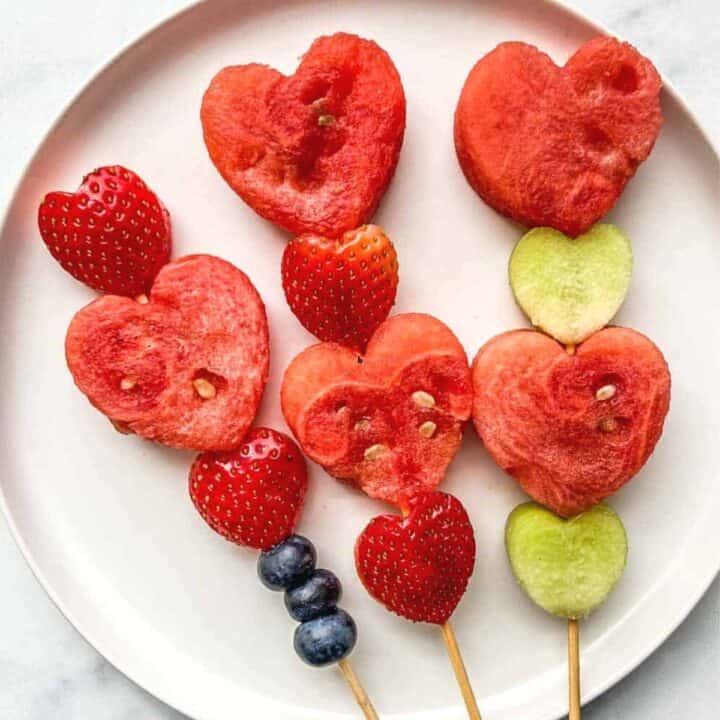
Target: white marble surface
{"points": [[48, 49]]}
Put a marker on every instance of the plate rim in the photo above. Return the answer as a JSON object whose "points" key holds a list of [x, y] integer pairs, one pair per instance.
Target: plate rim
{"points": [[95, 74]]}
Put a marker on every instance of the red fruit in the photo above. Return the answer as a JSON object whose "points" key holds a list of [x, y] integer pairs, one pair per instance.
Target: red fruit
{"points": [[418, 566], [571, 429], [341, 290], [113, 234], [551, 146], [253, 495], [389, 421], [312, 152], [186, 369]]}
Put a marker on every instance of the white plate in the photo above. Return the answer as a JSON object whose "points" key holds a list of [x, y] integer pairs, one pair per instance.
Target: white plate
{"points": [[104, 520]]}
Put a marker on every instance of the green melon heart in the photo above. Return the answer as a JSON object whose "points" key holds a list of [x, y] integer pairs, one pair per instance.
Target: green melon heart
{"points": [[568, 567], [571, 287]]}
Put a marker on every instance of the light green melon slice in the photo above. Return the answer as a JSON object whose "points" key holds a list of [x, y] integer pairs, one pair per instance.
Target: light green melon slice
{"points": [[568, 287], [568, 567]]}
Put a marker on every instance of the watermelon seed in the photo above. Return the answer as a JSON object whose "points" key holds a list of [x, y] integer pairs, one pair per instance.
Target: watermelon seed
{"points": [[374, 451], [204, 388], [608, 424], [142, 299], [427, 429], [423, 399], [605, 392], [362, 425], [128, 383]]}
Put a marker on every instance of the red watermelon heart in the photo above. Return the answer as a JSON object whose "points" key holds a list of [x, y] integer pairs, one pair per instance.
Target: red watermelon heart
{"points": [[186, 369], [571, 429], [419, 566], [312, 152], [555, 146], [389, 421]]}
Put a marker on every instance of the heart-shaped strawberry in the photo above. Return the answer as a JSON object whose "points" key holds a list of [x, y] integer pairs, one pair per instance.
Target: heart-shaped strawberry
{"points": [[186, 369], [314, 151], [113, 233], [341, 290], [551, 146], [419, 566], [253, 495], [389, 421], [571, 429]]}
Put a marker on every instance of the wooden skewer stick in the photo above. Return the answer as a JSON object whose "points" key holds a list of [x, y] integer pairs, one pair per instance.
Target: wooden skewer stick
{"points": [[574, 668], [357, 690], [460, 672]]}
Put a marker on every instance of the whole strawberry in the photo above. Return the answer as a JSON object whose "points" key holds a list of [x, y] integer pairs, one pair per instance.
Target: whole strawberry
{"points": [[113, 234], [252, 496], [341, 290], [419, 565]]}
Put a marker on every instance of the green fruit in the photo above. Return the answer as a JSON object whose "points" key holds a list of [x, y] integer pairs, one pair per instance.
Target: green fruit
{"points": [[568, 567], [571, 287]]}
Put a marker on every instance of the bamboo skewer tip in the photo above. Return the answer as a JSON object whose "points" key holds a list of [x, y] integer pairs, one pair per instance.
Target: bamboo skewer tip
{"points": [[358, 690], [574, 669], [461, 675]]}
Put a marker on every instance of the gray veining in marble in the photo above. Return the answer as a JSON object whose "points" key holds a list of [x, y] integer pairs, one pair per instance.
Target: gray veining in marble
{"points": [[48, 49]]}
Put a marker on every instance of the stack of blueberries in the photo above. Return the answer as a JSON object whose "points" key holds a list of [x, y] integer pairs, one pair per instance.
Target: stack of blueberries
{"points": [[326, 633]]}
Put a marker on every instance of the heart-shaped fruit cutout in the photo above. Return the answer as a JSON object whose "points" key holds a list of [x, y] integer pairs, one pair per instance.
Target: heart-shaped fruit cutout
{"points": [[253, 495], [389, 421], [314, 151], [419, 566], [571, 429], [186, 368], [341, 290], [551, 146], [568, 567], [113, 233], [571, 288]]}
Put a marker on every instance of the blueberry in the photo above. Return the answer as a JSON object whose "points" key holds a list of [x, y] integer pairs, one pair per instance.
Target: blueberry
{"points": [[318, 595], [326, 639], [288, 564]]}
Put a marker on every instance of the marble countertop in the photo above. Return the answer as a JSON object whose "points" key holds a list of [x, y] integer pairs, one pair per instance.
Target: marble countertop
{"points": [[49, 50]]}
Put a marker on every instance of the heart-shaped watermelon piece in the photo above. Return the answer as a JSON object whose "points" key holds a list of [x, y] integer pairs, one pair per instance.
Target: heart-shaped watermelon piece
{"points": [[186, 368], [571, 429], [389, 421], [555, 146], [312, 152]]}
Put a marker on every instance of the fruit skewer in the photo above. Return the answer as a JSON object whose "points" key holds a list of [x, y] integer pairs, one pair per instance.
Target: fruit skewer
{"points": [[568, 567], [418, 566], [390, 422], [253, 496], [614, 384], [569, 288]]}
